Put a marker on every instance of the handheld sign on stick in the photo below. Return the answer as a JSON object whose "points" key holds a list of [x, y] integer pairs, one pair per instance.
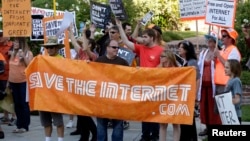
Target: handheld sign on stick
{"points": [[100, 14], [226, 109], [118, 9], [147, 18], [37, 28]]}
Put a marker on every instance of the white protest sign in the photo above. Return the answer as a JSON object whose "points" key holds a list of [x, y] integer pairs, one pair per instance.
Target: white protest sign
{"points": [[147, 17], [226, 109], [68, 18], [50, 13], [126, 54], [192, 9], [220, 13]]}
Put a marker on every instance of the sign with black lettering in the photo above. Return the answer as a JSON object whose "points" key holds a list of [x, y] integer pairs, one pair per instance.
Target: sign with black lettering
{"points": [[118, 9], [126, 54], [100, 14], [192, 9], [49, 13], [226, 109], [51, 26], [220, 13], [37, 28], [147, 18], [16, 18]]}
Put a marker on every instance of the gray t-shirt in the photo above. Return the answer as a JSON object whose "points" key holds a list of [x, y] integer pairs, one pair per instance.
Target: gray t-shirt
{"points": [[193, 62], [234, 85]]}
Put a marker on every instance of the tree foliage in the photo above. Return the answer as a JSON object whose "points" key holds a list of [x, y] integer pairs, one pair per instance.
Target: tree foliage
{"points": [[242, 12]]}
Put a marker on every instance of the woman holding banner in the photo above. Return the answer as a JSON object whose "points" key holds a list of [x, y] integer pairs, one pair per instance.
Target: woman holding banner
{"points": [[168, 60], [186, 51], [84, 47]]}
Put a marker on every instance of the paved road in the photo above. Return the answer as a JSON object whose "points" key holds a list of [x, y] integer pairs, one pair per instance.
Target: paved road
{"points": [[36, 132]]}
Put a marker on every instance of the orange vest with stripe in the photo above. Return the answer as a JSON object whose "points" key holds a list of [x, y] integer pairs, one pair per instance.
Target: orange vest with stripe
{"points": [[220, 77]]}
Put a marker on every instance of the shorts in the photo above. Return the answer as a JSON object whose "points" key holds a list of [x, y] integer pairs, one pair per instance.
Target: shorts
{"points": [[47, 118]]}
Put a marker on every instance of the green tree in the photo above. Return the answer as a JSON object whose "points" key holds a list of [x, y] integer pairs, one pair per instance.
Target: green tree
{"points": [[242, 12]]}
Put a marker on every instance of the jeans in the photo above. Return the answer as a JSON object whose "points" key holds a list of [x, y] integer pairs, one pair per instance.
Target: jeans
{"points": [[102, 124], [21, 107], [87, 126], [189, 132]]}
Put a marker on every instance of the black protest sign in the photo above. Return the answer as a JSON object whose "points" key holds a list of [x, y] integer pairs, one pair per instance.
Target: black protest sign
{"points": [[37, 28], [100, 14], [147, 17], [118, 9], [126, 54]]}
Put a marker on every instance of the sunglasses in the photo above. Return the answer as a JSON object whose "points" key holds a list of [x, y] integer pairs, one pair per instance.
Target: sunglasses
{"points": [[50, 47], [224, 36], [114, 47], [162, 56], [112, 32]]}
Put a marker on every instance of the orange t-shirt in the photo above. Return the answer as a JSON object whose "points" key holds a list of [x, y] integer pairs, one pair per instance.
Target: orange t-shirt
{"points": [[16, 72], [2, 58]]}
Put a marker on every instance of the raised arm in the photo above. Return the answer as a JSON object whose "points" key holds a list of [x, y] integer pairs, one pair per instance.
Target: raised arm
{"points": [[92, 29], [136, 30], [124, 38], [77, 47]]}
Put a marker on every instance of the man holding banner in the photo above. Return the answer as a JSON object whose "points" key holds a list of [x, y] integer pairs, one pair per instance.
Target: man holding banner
{"points": [[102, 123], [47, 118]]}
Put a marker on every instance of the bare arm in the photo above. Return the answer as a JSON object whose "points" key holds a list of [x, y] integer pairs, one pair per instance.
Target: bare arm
{"points": [[28, 57], [85, 44], [136, 30], [236, 99], [217, 54], [77, 47], [124, 38]]}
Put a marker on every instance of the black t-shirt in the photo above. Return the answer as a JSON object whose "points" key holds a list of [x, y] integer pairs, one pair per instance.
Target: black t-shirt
{"points": [[117, 60]]}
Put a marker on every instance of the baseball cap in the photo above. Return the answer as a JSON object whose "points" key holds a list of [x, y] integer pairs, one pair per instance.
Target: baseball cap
{"points": [[231, 32]]}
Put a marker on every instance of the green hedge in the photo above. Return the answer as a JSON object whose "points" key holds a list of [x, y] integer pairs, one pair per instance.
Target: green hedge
{"points": [[245, 77]]}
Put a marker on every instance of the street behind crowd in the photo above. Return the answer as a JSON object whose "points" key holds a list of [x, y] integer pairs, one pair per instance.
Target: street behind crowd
{"points": [[36, 132]]}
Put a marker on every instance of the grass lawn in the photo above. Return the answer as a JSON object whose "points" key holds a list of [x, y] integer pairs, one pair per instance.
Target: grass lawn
{"points": [[188, 34], [245, 113]]}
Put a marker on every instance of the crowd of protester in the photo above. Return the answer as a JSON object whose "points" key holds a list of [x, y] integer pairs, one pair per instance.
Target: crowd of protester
{"points": [[217, 71]]}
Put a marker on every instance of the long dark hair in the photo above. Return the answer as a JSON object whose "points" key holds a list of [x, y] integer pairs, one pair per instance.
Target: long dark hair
{"points": [[189, 48]]}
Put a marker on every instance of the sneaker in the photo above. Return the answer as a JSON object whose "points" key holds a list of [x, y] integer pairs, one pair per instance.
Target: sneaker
{"points": [[70, 124], [21, 130], [125, 125], [12, 122], [75, 133], [203, 133]]}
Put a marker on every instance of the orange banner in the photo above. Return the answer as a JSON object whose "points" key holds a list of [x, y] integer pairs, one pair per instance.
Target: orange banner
{"points": [[16, 18], [164, 95]]}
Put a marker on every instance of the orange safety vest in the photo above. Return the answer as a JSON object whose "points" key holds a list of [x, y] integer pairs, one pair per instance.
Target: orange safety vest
{"points": [[220, 77]]}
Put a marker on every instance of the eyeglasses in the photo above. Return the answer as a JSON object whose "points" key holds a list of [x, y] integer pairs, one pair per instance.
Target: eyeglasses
{"points": [[224, 36], [162, 56], [50, 47], [114, 47], [112, 32]]}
